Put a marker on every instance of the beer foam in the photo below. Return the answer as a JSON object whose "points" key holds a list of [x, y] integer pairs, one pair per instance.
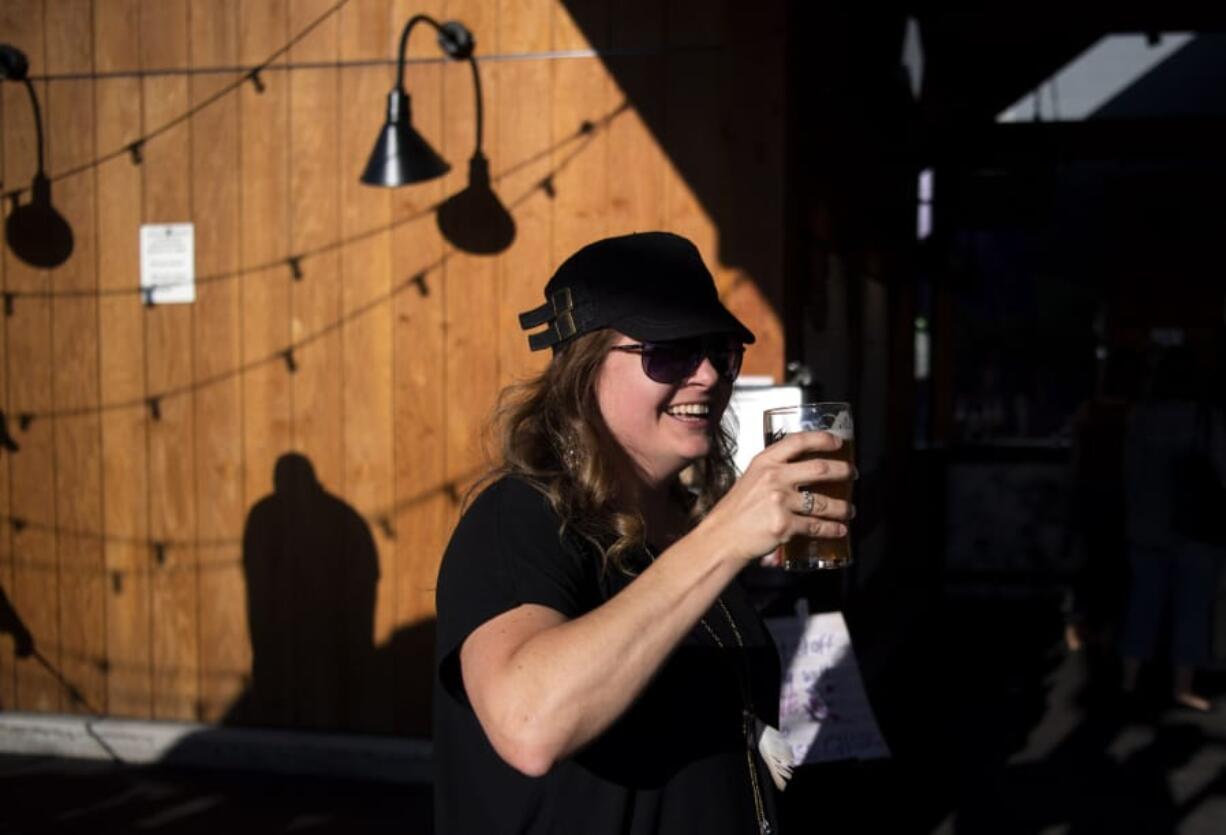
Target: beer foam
{"points": [[842, 427]]}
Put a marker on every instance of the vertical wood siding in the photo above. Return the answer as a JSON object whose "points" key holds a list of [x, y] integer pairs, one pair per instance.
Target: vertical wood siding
{"points": [[233, 510]]}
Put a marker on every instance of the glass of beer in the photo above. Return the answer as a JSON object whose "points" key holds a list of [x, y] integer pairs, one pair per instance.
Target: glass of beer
{"points": [[803, 553]]}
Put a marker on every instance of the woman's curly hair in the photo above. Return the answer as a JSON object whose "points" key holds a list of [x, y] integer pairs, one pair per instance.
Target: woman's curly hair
{"points": [[550, 433]]}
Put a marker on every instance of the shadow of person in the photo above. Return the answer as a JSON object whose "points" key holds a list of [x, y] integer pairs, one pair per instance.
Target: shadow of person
{"points": [[404, 666], [311, 570], [12, 624]]}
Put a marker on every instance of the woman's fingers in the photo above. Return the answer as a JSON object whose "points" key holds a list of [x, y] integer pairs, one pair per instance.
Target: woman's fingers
{"points": [[822, 529], [793, 488], [804, 458], [813, 470], [802, 443], [824, 519], [820, 505]]}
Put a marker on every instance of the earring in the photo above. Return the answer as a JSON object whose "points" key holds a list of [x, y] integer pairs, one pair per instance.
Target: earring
{"points": [[570, 453]]}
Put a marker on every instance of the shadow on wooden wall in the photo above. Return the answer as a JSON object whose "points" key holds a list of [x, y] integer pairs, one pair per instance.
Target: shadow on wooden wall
{"points": [[708, 82], [137, 441], [312, 570]]}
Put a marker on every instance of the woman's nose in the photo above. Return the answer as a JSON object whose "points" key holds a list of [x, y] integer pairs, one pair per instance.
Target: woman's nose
{"points": [[705, 374]]}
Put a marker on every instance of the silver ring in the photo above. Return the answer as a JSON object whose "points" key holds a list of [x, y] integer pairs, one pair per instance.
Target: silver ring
{"points": [[808, 499]]}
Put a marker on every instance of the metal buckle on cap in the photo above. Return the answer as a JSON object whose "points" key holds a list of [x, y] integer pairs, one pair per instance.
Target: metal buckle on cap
{"points": [[564, 306], [562, 301], [558, 313]]}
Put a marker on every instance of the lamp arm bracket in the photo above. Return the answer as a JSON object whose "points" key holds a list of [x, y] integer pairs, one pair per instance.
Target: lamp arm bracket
{"points": [[454, 38]]}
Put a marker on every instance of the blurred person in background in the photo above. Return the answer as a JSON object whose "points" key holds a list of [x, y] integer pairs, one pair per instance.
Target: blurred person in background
{"points": [[1174, 467], [1096, 513]]}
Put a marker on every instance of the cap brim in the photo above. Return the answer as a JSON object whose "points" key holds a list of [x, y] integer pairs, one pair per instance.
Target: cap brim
{"points": [[683, 324]]}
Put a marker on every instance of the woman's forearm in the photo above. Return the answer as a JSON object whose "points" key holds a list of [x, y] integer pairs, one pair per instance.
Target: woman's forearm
{"points": [[543, 687]]}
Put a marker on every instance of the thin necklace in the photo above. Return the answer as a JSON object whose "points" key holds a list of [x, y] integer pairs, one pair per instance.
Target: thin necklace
{"points": [[747, 715]]}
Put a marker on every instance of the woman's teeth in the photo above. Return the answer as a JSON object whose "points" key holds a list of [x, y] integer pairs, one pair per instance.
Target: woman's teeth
{"points": [[690, 409]]}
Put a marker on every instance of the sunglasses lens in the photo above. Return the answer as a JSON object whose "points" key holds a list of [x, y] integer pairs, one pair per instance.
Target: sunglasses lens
{"points": [[672, 362], [727, 361]]}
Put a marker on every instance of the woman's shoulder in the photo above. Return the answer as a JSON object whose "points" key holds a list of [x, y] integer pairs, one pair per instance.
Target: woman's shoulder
{"points": [[512, 517], [511, 498], [510, 489]]}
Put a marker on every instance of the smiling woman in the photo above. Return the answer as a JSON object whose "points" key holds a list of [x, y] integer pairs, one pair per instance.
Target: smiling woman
{"points": [[600, 670]]}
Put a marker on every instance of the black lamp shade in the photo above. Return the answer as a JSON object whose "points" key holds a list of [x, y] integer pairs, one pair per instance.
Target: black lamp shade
{"points": [[401, 155]]}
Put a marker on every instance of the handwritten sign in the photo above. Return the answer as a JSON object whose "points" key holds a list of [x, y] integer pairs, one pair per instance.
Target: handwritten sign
{"points": [[824, 712]]}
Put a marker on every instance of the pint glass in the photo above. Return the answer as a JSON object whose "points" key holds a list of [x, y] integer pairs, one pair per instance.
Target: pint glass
{"points": [[802, 553]]}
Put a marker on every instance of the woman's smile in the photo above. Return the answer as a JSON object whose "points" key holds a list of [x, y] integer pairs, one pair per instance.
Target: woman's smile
{"points": [[690, 412]]}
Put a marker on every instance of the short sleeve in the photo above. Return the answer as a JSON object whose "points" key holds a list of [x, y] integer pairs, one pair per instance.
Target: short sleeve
{"points": [[506, 551]]}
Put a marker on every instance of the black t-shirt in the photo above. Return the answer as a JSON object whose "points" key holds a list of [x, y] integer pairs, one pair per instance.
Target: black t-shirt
{"points": [[674, 763]]}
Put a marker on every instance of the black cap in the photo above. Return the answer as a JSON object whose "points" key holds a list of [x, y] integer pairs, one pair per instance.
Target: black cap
{"points": [[650, 286]]}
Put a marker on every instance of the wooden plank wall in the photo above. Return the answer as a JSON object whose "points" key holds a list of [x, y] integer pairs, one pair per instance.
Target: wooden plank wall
{"points": [[233, 510], [216, 192], [122, 349]]}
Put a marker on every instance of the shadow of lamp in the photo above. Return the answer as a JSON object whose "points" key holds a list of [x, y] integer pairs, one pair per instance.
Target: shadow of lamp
{"points": [[473, 219], [35, 231]]}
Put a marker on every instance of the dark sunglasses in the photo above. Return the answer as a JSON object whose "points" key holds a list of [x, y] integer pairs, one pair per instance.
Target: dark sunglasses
{"points": [[674, 361]]}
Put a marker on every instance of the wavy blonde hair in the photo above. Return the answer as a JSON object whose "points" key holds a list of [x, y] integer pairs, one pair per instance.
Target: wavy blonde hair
{"points": [[549, 432]]}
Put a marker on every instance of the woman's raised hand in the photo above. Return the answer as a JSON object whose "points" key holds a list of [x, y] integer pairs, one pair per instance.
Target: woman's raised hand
{"points": [[766, 507]]}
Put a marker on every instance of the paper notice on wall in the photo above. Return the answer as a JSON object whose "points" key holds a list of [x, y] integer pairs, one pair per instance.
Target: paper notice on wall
{"points": [[168, 263], [824, 713]]}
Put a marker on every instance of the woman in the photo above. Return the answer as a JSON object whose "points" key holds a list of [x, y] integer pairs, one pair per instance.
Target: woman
{"points": [[600, 670]]}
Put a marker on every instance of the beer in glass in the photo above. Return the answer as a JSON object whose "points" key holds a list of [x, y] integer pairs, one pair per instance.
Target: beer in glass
{"points": [[804, 553]]}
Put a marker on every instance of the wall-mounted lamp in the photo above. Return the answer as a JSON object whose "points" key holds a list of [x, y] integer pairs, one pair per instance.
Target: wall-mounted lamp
{"points": [[472, 219], [401, 155]]}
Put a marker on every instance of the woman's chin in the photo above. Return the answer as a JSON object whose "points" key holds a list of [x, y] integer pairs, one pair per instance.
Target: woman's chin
{"points": [[695, 451]]}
